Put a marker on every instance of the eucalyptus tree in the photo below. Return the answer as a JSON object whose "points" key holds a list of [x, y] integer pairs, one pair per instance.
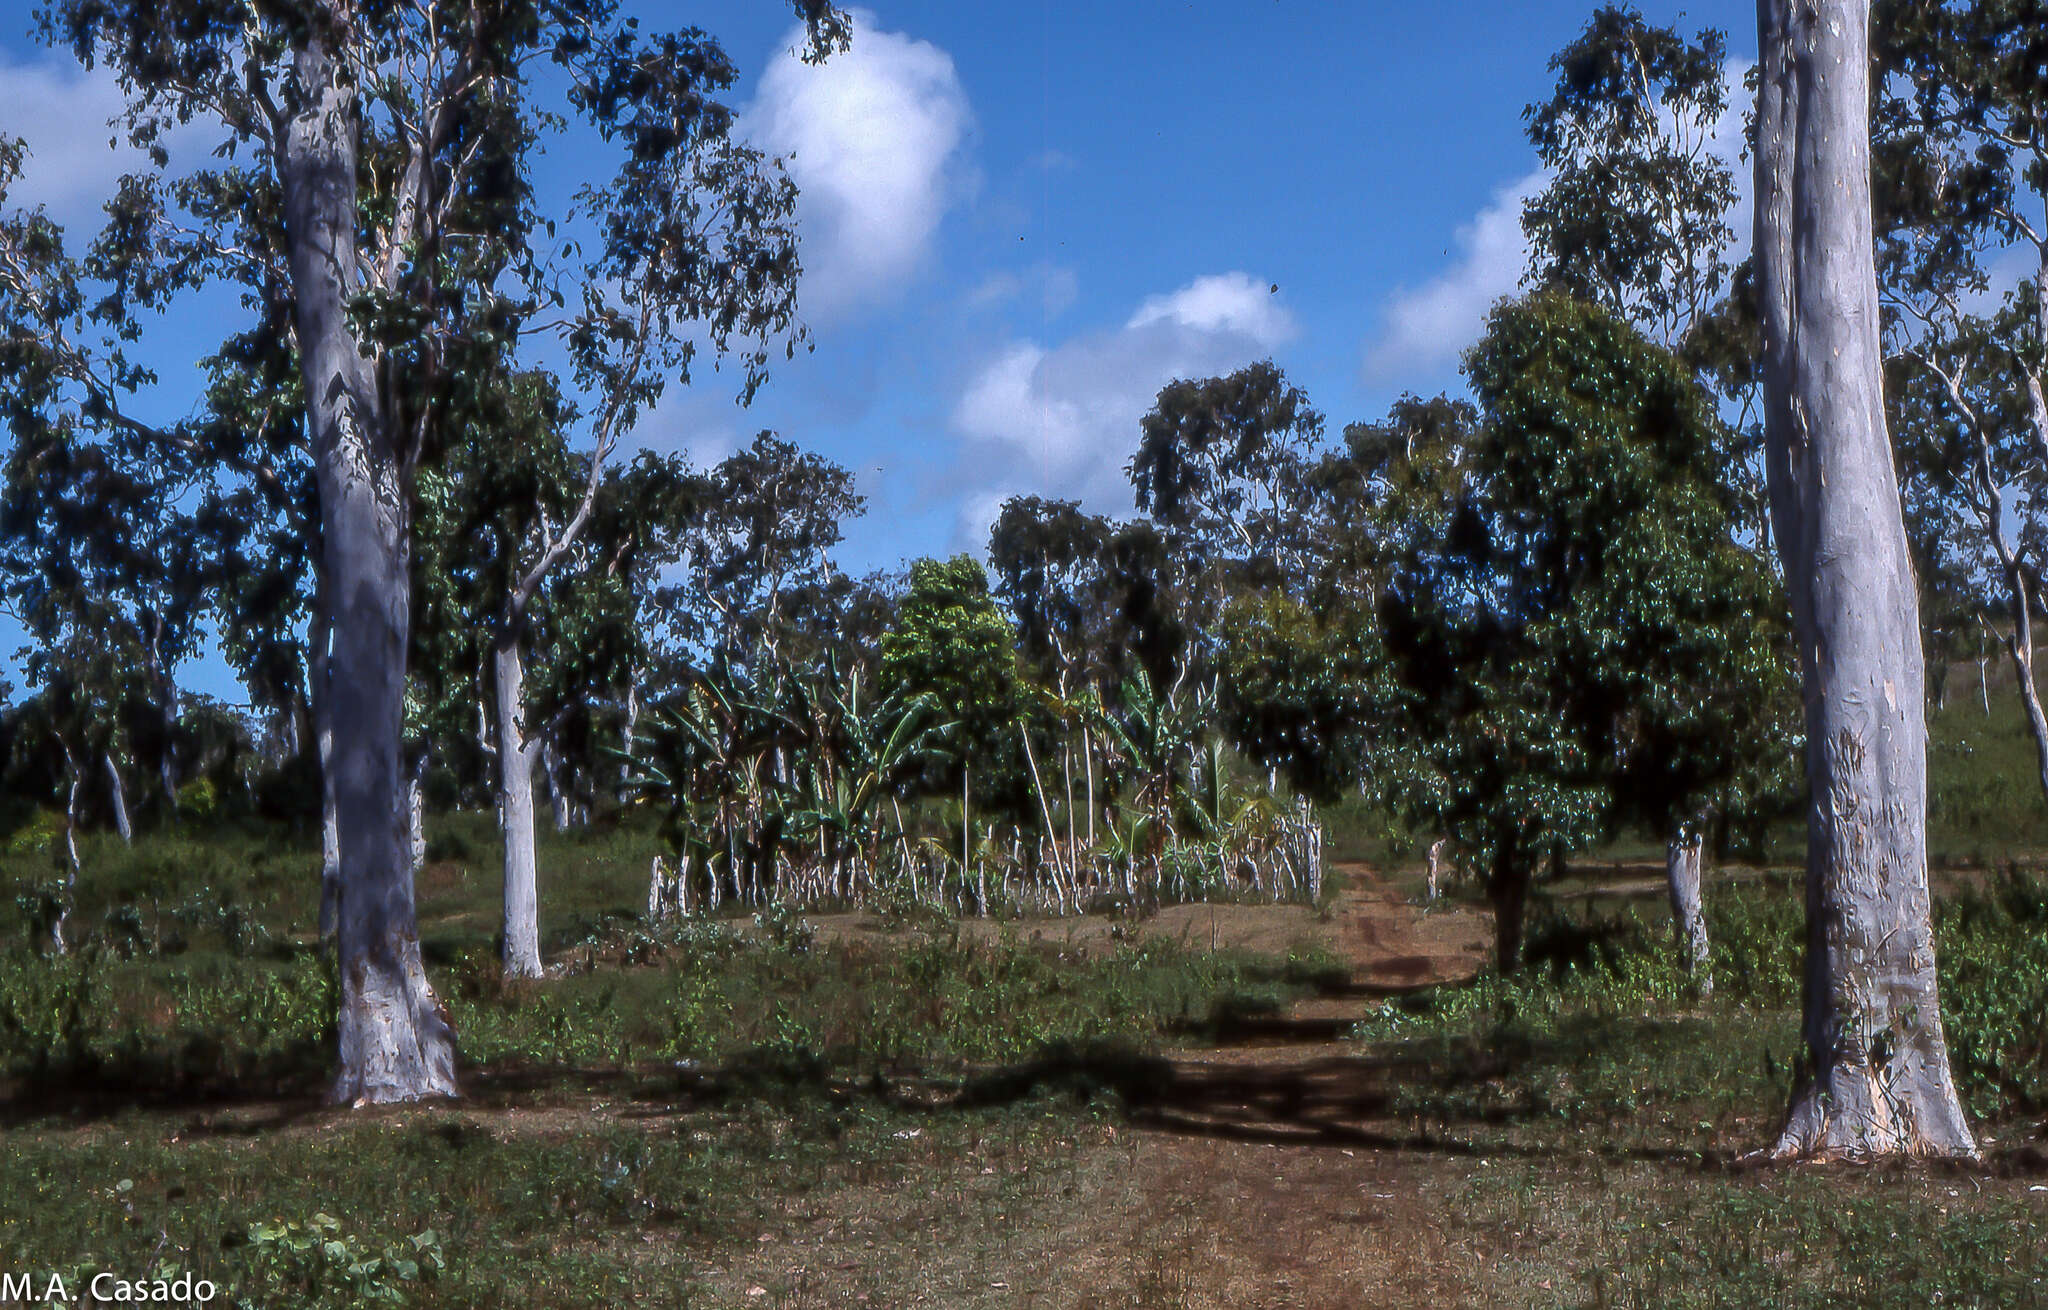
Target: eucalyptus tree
{"points": [[382, 152], [1875, 1079], [1961, 167], [1220, 465], [100, 543], [84, 677], [1043, 554], [489, 516], [1634, 216], [768, 518]]}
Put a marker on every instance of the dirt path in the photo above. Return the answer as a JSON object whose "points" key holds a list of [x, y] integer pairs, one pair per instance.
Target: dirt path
{"points": [[1260, 1173], [1266, 1158]]}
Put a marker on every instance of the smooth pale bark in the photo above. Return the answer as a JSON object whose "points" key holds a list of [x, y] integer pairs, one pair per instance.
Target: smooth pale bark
{"points": [[322, 707], [1875, 1080], [57, 943], [396, 1043], [117, 796], [416, 822], [1436, 855], [2020, 645], [1688, 919], [515, 812], [626, 761]]}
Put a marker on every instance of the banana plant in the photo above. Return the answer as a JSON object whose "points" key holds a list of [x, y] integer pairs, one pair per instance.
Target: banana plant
{"points": [[704, 755], [1152, 739], [858, 755]]}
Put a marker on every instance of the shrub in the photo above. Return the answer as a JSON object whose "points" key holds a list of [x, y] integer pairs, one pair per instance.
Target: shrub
{"points": [[317, 1264]]}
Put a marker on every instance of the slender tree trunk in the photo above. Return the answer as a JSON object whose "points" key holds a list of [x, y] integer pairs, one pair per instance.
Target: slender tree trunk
{"points": [[515, 812], [395, 1040], [632, 726], [2021, 647], [323, 744], [1067, 770], [416, 821], [167, 764], [1875, 1080], [558, 796], [1984, 685], [117, 796], [1044, 809], [1088, 770], [57, 943], [1688, 919], [1507, 887]]}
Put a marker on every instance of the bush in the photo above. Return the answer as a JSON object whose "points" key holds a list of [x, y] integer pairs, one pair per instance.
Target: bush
{"points": [[317, 1264]]}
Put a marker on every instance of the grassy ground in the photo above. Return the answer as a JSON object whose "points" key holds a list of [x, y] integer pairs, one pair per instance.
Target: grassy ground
{"points": [[721, 1115]]}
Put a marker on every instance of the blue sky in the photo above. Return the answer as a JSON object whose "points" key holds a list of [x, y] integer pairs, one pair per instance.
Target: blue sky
{"points": [[1020, 221]]}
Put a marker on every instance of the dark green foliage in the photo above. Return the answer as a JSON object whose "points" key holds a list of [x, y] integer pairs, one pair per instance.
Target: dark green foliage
{"points": [[1582, 642], [952, 644], [1303, 692]]}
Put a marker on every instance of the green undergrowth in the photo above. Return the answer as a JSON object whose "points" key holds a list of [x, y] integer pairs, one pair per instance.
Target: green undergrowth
{"points": [[696, 994], [453, 1208], [1637, 1236], [1606, 1024]]}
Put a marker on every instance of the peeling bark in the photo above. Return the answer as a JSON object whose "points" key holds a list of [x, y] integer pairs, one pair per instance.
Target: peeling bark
{"points": [[1875, 1080], [1688, 918], [396, 1043]]}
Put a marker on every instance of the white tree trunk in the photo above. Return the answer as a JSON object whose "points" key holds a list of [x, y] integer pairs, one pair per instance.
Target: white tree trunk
{"points": [[1688, 918], [1876, 1078], [323, 740], [57, 943], [1436, 856], [558, 795], [395, 1040], [515, 812], [632, 726], [117, 796], [2020, 645], [416, 821], [1088, 772]]}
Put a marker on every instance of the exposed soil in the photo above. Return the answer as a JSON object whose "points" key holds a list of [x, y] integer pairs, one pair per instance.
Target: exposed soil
{"points": [[1257, 1173]]}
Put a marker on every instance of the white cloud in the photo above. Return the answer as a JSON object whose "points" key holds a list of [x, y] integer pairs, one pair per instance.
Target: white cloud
{"points": [[69, 118], [64, 114], [872, 137], [1062, 420], [1423, 329], [1223, 302]]}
